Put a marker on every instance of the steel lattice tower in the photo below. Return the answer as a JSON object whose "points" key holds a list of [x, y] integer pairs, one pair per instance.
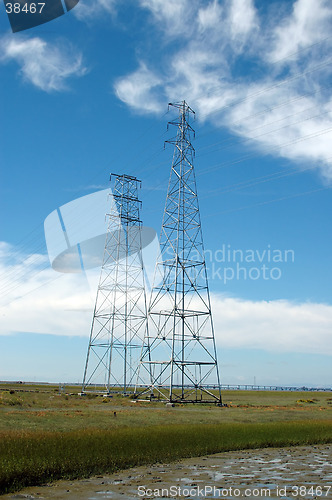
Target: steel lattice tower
{"points": [[179, 357], [120, 312]]}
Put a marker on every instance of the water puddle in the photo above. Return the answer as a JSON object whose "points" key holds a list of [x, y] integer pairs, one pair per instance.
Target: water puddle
{"points": [[285, 473]]}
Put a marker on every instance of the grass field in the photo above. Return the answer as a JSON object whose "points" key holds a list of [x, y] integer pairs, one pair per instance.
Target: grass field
{"points": [[45, 435], [44, 409]]}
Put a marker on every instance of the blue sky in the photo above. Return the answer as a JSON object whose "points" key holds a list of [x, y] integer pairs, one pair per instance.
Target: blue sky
{"points": [[87, 94]]}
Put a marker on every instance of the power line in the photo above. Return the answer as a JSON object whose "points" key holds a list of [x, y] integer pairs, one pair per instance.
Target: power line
{"points": [[250, 96], [255, 181], [229, 142], [264, 90], [267, 202], [267, 151], [31, 291]]}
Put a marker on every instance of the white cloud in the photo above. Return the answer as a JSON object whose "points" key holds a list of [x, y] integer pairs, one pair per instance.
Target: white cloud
{"points": [[87, 9], [276, 326], [63, 305], [307, 24], [193, 73], [34, 298], [242, 17], [46, 66], [216, 40], [210, 16], [295, 129], [58, 308], [173, 16], [138, 90]]}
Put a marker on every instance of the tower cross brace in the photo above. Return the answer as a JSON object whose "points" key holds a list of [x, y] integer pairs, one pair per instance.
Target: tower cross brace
{"points": [[179, 359], [119, 318]]}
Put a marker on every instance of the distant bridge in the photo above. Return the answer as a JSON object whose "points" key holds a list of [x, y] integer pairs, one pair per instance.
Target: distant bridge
{"points": [[249, 387], [224, 387]]}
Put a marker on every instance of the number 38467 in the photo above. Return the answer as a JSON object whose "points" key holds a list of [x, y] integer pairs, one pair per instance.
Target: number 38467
{"points": [[17, 8]]}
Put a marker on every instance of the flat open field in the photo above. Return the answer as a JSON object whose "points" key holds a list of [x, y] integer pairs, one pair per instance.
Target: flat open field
{"points": [[45, 435], [39, 408]]}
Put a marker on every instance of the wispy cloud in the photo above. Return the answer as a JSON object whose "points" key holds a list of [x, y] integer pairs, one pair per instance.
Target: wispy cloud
{"points": [[305, 26], [174, 17], [263, 77], [140, 90], [44, 65], [243, 19], [88, 187], [89, 9]]}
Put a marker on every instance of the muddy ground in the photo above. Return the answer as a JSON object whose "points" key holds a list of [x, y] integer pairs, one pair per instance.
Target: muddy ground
{"points": [[297, 472]]}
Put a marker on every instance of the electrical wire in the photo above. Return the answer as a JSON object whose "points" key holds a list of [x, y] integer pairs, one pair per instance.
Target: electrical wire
{"points": [[267, 89], [250, 96], [267, 202], [264, 153]]}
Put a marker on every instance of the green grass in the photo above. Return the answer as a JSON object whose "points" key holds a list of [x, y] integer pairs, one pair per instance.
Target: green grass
{"points": [[44, 409], [41, 437], [31, 458]]}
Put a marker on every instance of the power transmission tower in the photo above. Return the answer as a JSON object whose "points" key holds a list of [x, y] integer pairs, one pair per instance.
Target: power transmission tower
{"points": [[179, 353], [119, 318]]}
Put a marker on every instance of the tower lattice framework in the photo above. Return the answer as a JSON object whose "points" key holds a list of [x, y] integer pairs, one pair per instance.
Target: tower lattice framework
{"points": [[120, 313], [179, 359]]}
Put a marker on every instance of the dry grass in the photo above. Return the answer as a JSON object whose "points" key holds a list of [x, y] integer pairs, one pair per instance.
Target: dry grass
{"points": [[46, 410]]}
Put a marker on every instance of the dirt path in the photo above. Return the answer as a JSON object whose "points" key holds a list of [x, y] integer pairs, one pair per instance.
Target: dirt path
{"points": [[303, 472]]}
